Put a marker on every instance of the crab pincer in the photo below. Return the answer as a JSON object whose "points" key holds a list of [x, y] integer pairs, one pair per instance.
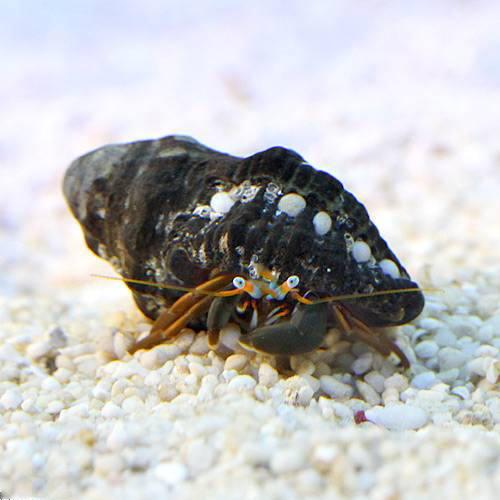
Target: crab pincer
{"points": [[304, 332], [220, 312]]}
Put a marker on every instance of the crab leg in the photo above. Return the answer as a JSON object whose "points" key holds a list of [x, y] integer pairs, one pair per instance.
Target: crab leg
{"points": [[186, 308], [185, 302], [376, 339], [159, 336]]}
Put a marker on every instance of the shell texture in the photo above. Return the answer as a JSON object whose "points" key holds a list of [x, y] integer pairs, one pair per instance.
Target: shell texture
{"points": [[172, 210]]}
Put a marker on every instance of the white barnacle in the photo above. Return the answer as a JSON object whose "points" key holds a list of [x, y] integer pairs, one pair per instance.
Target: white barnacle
{"points": [[245, 192], [390, 268], [271, 193], [292, 204], [361, 252], [322, 223], [202, 211], [221, 202], [249, 194]]}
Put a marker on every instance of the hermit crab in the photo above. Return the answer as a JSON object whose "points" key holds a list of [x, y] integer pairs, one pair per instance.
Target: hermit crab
{"points": [[266, 241]]}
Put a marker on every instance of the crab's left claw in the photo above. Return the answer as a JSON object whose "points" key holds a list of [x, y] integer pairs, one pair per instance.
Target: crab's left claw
{"points": [[303, 333]]}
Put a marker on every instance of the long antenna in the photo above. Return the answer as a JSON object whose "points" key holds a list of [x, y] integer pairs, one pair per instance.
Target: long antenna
{"points": [[337, 298], [158, 285], [351, 296]]}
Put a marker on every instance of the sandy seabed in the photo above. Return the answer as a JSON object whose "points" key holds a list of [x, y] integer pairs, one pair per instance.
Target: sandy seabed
{"points": [[409, 127]]}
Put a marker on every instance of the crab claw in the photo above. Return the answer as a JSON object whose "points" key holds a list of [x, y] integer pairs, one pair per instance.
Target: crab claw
{"points": [[219, 314], [303, 333]]}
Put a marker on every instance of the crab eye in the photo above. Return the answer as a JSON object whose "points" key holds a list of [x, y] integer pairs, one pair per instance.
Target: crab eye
{"points": [[292, 281], [239, 282]]}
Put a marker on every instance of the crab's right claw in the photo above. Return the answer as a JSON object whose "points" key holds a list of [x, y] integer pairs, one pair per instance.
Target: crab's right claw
{"points": [[303, 333], [219, 314]]}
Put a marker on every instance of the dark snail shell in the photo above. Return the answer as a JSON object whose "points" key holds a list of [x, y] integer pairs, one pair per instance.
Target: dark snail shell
{"points": [[174, 211]]}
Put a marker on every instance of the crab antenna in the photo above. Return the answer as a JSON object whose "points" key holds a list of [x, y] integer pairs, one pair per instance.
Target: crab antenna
{"points": [[168, 287], [236, 291], [372, 294]]}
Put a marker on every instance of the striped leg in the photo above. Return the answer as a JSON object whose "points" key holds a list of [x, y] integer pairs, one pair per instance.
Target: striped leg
{"points": [[186, 308], [375, 339]]}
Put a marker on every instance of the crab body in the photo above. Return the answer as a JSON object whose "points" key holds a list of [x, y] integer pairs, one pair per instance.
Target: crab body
{"points": [[174, 211]]}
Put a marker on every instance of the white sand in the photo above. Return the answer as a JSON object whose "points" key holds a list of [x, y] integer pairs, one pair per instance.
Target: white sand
{"points": [[401, 105]]}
